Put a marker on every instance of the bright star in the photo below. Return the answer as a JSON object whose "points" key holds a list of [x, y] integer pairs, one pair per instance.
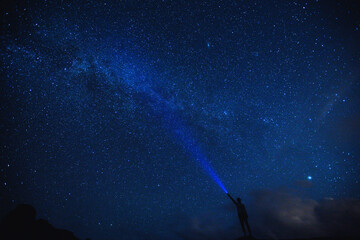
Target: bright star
{"points": [[309, 177]]}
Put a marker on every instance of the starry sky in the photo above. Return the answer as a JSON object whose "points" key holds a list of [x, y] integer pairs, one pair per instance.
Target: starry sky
{"points": [[106, 107]]}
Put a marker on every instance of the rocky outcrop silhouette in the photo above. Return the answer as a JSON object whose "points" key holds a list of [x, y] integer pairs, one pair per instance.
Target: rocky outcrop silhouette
{"points": [[21, 223]]}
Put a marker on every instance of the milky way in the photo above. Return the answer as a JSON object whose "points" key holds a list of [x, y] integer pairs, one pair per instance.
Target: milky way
{"points": [[105, 106]]}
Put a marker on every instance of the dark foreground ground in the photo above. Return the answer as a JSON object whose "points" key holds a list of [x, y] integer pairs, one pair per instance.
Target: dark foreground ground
{"points": [[21, 223]]}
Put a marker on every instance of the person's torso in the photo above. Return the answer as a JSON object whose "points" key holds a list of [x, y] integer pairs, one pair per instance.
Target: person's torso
{"points": [[241, 210]]}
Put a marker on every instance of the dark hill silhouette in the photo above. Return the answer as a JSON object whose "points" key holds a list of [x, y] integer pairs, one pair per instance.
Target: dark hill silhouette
{"points": [[21, 223]]}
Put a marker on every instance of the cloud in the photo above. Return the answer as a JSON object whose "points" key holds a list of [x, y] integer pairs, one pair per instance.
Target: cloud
{"points": [[277, 214], [280, 214], [204, 226], [339, 217]]}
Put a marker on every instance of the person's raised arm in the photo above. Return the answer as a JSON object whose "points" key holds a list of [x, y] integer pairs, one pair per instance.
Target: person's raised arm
{"points": [[232, 199]]}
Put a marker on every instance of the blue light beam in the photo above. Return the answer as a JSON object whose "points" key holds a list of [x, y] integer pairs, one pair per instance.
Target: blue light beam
{"points": [[172, 122], [188, 142]]}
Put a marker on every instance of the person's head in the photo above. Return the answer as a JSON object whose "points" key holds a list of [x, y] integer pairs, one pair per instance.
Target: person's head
{"points": [[239, 200]]}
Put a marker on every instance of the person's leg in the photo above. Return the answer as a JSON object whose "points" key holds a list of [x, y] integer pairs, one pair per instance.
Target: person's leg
{"points": [[248, 226], [243, 227]]}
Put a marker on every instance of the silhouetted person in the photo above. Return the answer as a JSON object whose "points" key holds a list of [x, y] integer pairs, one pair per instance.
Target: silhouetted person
{"points": [[243, 217]]}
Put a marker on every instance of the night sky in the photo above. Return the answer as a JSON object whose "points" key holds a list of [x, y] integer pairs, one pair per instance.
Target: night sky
{"points": [[111, 109]]}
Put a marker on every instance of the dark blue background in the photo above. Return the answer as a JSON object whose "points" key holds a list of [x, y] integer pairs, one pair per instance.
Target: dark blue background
{"points": [[268, 90]]}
